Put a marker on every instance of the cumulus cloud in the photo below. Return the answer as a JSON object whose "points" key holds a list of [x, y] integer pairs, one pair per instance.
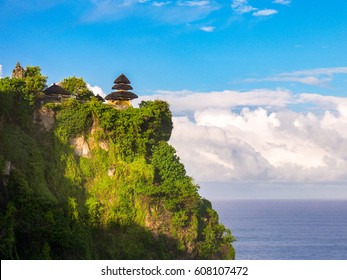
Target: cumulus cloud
{"points": [[331, 103], [254, 136], [96, 90], [265, 13], [0, 71]]}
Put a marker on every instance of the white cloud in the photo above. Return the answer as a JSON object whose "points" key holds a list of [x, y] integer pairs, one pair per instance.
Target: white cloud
{"points": [[314, 77], [171, 12], [282, 2], [254, 145], [198, 3], [96, 90], [161, 4], [241, 7], [189, 101], [308, 80], [265, 13], [253, 136], [208, 28], [325, 102], [317, 71], [0, 71]]}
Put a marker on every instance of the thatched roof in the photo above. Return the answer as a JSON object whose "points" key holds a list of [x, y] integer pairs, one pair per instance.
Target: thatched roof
{"points": [[122, 87], [55, 89], [122, 79], [100, 98], [121, 95]]}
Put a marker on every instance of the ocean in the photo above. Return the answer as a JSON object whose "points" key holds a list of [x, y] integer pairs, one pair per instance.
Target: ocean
{"points": [[286, 229]]}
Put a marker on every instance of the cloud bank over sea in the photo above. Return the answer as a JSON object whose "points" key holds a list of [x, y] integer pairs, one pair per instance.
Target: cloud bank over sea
{"points": [[260, 135]]}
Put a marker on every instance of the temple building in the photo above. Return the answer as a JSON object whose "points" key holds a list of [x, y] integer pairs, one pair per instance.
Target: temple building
{"points": [[55, 93], [18, 72], [121, 97]]}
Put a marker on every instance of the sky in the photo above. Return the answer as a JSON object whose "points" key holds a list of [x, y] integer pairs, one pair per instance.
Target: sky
{"points": [[257, 88]]}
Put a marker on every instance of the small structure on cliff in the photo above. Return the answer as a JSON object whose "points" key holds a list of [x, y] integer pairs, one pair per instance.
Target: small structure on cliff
{"points": [[55, 93], [18, 72], [121, 97], [100, 98]]}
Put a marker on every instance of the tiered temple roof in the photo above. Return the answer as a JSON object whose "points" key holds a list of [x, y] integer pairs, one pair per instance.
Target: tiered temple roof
{"points": [[122, 87]]}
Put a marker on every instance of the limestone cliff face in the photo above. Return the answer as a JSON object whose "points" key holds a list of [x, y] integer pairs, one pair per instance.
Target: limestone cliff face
{"points": [[90, 182], [44, 118], [156, 218], [81, 147], [83, 144]]}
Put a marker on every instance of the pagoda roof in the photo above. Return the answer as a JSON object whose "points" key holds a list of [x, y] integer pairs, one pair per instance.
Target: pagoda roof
{"points": [[122, 79], [121, 95], [122, 87], [55, 89]]}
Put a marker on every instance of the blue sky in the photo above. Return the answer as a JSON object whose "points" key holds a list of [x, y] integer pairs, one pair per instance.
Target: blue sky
{"points": [[166, 47], [262, 83]]}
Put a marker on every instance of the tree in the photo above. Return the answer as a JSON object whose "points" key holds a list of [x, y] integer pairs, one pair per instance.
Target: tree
{"points": [[34, 80], [167, 163], [171, 179], [157, 122], [15, 101], [27, 88], [9, 90], [77, 87]]}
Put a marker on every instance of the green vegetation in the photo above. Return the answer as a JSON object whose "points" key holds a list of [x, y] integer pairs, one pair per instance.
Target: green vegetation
{"points": [[34, 80], [99, 184], [77, 87]]}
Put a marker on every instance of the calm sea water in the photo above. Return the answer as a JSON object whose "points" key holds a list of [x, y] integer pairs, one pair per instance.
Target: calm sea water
{"points": [[286, 229]]}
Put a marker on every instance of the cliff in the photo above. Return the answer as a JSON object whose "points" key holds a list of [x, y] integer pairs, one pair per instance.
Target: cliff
{"points": [[86, 181]]}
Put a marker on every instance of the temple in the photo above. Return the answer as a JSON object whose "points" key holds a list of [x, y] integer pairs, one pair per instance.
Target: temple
{"points": [[121, 97], [55, 93], [18, 72]]}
